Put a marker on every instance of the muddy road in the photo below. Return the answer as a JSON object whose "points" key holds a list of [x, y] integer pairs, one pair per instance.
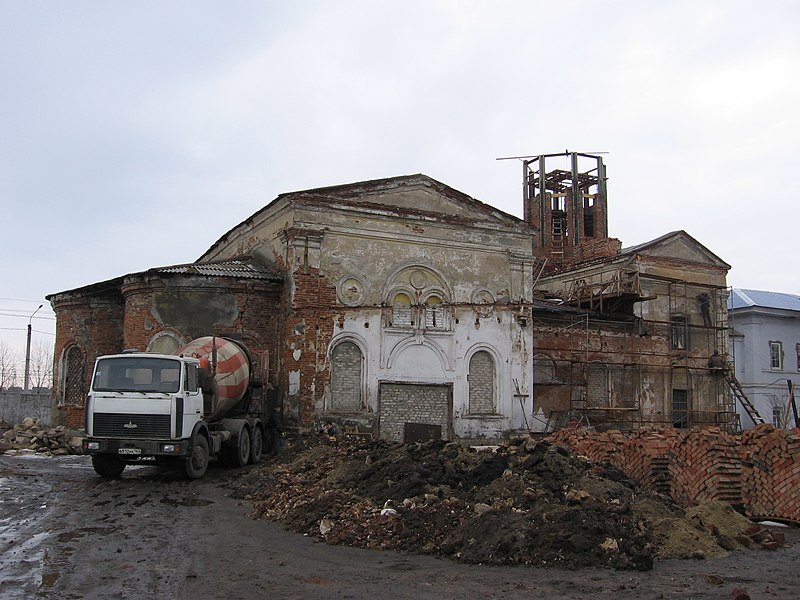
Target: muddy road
{"points": [[67, 534]]}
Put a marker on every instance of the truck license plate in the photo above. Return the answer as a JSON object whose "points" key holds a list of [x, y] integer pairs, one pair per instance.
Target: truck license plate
{"points": [[130, 451]]}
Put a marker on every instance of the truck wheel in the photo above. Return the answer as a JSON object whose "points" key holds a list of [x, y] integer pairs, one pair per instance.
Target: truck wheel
{"points": [[195, 466], [243, 448], [107, 466], [256, 445]]}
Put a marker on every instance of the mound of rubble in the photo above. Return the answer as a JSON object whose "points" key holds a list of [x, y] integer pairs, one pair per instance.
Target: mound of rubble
{"points": [[31, 435], [527, 502]]}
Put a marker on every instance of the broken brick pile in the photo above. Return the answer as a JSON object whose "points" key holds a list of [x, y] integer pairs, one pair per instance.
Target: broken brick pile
{"points": [[32, 435], [758, 470]]}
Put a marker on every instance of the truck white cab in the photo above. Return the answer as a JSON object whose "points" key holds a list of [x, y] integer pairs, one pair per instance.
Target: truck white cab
{"points": [[181, 410]]}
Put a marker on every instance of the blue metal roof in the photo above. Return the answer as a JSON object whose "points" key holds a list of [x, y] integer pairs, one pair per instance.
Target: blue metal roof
{"points": [[742, 298]]}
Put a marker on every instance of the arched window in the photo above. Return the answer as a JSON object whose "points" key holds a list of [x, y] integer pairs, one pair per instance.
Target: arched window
{"points": [[544, 369], [346, 378], [401, 310], [73, 377], [164, 343], [481, 384], [434, 313], [418, 297]]}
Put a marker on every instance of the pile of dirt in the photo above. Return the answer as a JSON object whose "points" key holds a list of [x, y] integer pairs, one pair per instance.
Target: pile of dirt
{"points": [[528, 502]]}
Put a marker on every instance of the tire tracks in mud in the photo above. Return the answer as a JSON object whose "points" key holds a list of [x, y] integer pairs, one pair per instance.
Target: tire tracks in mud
{"points": [[66, 534]]}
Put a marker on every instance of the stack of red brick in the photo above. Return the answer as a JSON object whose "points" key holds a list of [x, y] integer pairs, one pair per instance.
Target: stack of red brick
{"points": [[771, 472], [758, 470], [706, 466]]}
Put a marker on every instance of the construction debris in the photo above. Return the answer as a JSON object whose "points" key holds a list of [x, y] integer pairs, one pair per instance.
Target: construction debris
{"points": [[31, 435], [528, 502]]}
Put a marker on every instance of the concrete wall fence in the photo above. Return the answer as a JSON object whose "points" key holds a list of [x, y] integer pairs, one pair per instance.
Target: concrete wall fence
{"points": [[756, 471], [15, 406]]}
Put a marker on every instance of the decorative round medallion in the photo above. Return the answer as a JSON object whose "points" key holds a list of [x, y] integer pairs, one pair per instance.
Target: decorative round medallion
{"points": [[483, 302], [419, 279], [351, 291]]}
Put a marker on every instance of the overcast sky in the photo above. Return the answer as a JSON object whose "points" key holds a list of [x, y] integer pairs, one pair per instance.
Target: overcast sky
{"points": [[134, 134]]}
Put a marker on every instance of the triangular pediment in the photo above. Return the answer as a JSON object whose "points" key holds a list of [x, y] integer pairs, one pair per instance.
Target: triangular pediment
{"points": [[407, 195], [410, 197], [677, 245]]}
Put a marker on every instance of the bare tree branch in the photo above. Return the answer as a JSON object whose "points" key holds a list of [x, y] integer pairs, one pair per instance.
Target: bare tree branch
{"points": [[41, 367], [8, 367]]}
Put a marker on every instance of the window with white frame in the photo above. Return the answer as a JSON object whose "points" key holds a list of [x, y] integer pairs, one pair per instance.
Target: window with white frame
{"points": [[776, 356], [777, 416], [678, 332]]}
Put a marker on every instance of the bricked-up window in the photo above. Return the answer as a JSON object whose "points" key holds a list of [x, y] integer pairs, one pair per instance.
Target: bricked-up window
{"points": [[776, 356], [544, 369], [401, 310], [346, 377], [434, 313], [678, 333], [164, 343], [481, 384], [74, 377], [598, 385]]}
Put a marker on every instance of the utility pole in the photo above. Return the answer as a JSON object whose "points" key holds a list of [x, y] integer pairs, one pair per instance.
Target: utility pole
{"points": [[28, 351]]}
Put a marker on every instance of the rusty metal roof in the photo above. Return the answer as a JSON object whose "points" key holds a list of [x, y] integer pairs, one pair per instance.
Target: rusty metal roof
{"points": [[246, 268]]}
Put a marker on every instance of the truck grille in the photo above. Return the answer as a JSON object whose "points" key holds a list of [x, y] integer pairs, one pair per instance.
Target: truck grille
{"points": [[147, 426]]}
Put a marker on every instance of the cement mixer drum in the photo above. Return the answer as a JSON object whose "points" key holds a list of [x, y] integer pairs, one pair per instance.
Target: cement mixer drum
{"points": [[232, 375]]}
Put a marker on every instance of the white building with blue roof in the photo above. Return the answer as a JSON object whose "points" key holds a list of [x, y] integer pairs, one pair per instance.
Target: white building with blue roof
{"points": [[765, 348]]}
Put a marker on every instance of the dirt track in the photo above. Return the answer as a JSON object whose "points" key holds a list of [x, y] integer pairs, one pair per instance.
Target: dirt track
{"points": [[65, 533]]}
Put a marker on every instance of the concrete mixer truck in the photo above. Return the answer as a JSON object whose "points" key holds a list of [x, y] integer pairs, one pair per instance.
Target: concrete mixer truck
{"points": [[181, 410]]}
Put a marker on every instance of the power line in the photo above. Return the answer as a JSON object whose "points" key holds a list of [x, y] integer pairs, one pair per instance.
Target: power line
{"points": [[26, 329], [21, 300], [24, 316]]}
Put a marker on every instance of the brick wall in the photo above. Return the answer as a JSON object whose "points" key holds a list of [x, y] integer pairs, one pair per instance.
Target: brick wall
{"points": [[600, 248], [308, 331], [128, 317], [93, 323], [757, 470], [413, 403]]}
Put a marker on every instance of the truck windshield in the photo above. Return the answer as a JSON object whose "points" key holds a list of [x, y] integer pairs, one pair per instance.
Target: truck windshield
{"points": [[137, 374]]}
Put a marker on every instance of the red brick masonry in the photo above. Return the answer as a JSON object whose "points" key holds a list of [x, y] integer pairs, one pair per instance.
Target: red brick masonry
{"points": [[757, 470]]}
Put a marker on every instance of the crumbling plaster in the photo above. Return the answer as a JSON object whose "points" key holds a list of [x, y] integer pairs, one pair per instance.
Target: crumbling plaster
{"points": [[363, 249]]}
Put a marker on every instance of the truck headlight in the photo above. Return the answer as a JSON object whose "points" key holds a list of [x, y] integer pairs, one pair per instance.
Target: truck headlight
{"points": [[170, 448], [87, 445]]}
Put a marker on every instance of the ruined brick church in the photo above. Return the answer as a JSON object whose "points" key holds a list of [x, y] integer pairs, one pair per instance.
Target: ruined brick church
{"points": [[404, 308]]}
